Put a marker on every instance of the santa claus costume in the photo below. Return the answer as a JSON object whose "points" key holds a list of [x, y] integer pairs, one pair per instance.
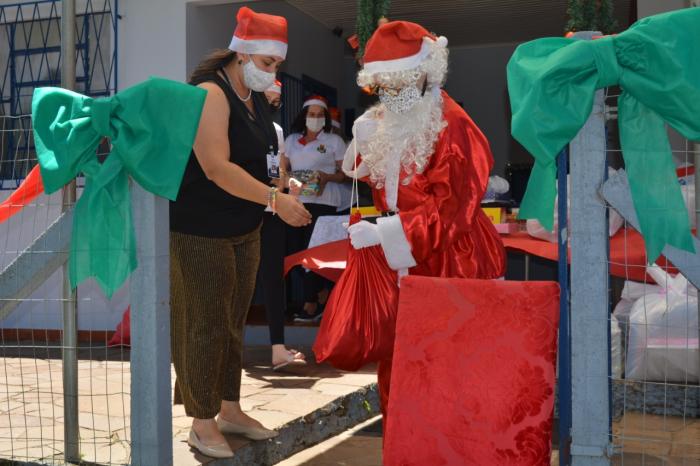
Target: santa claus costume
{"points": [[428, 165]]}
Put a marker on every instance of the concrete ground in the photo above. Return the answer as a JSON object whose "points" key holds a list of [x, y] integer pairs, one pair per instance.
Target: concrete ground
{"points": [[310, 408], [307, 406], [645, 440]]}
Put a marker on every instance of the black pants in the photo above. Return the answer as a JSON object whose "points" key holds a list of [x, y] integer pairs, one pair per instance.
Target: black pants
{"points": [[298, 240], [272, 254]]}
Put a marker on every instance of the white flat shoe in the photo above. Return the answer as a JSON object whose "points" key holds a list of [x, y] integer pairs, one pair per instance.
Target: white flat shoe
{"points": [[253, 433], [221, 450]]}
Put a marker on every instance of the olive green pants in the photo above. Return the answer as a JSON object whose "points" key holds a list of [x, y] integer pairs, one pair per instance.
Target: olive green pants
{"points": [[212, 281]]}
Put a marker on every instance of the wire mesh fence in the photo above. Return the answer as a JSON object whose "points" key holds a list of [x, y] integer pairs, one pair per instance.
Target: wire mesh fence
{"points": [[35, 239], [654, 364], [32, 427]]}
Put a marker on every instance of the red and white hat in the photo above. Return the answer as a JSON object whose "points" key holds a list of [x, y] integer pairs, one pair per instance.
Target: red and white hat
{"points": [[259, 34], [316, 100], [276, 88], [335, 117], [399, 46]]}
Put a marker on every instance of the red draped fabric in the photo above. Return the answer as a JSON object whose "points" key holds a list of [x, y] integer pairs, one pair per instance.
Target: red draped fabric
{"points": [[31, 187], [627, 252], [627, 256], [472, 384]]}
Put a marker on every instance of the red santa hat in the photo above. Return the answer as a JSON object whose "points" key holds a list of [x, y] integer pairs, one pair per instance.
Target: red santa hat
{"points": [[259, 34], [335, 117], [399, 46], [316, 100], [276, 88]]}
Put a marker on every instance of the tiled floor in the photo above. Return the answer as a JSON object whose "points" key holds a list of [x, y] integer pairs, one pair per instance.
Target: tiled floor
{"points": [[31, 415], [31, 400]]}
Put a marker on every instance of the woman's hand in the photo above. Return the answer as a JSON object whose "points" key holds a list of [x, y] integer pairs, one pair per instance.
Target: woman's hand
{"points": [[292, 211], [323, 179]]}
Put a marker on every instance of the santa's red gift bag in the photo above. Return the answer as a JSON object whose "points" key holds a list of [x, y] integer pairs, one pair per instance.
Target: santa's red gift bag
{"points": [[473, 373], [358, 324]]}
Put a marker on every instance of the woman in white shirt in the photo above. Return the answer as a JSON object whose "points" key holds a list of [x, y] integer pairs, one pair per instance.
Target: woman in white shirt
{"points": [[312, 147], [272, 252]]}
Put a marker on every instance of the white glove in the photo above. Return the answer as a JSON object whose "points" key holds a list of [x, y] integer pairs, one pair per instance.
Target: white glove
{"points": [[363, 235]]}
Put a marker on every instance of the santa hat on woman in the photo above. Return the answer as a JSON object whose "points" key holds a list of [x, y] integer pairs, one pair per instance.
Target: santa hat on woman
{"points": [[335, 117], [316, 100], [259, 34], [397, 47]]}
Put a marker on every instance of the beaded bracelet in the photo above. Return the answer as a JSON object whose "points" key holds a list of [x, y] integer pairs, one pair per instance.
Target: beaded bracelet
{"points": [[272, 199]]}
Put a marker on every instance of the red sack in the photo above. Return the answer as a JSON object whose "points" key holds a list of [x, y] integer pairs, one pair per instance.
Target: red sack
{"points": [[122, 337], [359, 322]]}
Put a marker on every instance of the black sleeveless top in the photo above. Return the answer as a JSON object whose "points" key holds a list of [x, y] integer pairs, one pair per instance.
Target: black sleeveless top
{"points": [[204, 209]]}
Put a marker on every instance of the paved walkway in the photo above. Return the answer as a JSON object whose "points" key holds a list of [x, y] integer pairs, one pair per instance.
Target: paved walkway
{"points": [[31, 413], [648, 441], [309, 406]]}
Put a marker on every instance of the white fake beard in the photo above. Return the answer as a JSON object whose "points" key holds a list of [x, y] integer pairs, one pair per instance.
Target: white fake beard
{"points": [[410, 137]]}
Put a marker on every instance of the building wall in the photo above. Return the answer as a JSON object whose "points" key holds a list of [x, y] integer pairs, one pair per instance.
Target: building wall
{"points": [[313, 49], [652, 7], [151, 46], [477, 79], [42, 310]]}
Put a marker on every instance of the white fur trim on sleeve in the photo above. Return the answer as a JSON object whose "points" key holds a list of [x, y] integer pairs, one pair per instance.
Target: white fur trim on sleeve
{"points": [[394, 243]]}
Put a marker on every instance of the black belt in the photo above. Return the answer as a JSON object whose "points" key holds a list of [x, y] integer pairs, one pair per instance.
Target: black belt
{"points": [[389, 213]]}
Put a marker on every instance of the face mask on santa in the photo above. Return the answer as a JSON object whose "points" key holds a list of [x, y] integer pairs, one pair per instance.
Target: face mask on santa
{"points": [[401, 101]]}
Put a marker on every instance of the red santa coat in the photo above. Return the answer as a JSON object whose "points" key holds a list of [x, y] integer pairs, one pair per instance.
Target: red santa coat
{"points": [[440, 229]]}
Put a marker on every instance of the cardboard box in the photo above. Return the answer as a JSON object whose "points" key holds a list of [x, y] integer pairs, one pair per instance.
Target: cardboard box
{"points": [[495, 214]]}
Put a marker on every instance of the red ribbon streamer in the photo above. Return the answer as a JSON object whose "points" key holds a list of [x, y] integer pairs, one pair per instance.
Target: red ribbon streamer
{"points": [[30, 189]]}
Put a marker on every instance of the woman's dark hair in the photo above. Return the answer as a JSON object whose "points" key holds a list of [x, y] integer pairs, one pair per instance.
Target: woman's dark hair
{"points": [[213, 62], [299, 125]]}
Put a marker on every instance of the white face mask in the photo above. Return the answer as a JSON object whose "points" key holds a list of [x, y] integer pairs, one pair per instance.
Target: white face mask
{"points": [[257, 79], [315, 124], [402, 102]]}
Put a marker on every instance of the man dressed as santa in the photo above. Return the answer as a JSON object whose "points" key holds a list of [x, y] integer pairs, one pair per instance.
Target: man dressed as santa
{"points": [[428, 165]]}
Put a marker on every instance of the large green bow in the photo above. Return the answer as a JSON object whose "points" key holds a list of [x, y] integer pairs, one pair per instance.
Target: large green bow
{"points": [[656, 62], [151, 126]]}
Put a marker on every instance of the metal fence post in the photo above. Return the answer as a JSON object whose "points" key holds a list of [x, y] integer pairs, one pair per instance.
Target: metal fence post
{"points": [[70, 317], [151, 411], [696, 165], [589, 291], [564, 367]]}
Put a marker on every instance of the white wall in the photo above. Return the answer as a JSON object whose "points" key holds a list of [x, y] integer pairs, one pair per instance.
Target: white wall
{"points": [[151, 40], [313, 49], [168, 37], [42, 310]]}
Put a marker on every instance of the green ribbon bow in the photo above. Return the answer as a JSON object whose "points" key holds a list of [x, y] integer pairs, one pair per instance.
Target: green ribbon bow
{"points": [[151, 126], [656, 62]]}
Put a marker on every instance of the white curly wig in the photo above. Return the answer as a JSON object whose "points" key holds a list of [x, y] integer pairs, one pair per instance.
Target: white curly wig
{"points": [[410, 137]]}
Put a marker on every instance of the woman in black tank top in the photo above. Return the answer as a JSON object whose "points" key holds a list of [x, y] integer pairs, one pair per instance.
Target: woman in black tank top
{"points": [[215, 231]]}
